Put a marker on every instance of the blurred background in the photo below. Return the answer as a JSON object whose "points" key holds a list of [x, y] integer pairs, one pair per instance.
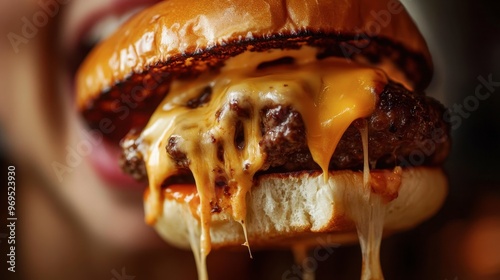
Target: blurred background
{"points": [[75, 231]]}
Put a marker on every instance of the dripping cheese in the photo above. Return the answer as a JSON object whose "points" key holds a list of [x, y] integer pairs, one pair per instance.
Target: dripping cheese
{"points": [[329, 94]]}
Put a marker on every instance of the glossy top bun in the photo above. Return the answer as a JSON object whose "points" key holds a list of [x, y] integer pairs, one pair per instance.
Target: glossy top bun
{"points": [[178, 37]]}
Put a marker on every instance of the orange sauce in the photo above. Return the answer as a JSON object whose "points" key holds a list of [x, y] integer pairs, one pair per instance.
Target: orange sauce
{"points": [[185, 194]]}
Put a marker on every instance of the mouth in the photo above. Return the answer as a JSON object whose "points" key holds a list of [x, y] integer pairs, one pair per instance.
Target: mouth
{"points": [[96, 24], [87, 32], [104, 159]]}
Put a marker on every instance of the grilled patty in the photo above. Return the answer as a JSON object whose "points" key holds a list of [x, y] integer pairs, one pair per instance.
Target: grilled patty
{"points": [[406, 128]]}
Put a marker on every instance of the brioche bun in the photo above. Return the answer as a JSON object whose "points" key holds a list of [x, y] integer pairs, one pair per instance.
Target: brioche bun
{"points": [[285, 208], [179, 39]]}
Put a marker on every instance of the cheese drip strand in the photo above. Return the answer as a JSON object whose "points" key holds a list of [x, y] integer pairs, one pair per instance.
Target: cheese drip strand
{"points": [[329, 94], [300, 255], [369, 220]]}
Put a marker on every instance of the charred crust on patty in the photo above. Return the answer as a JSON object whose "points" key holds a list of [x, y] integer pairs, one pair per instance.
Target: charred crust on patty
{"points": [[131, 159], [174, 150]]}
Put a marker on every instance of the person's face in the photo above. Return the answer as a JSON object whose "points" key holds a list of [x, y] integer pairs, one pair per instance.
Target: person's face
{"points": [[43, 127]]}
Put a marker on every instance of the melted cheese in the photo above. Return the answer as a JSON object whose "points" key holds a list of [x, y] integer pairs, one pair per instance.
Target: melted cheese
{"points": [[194, 241], [369, 220], [300, 255], [329, 94], [380, 187]]}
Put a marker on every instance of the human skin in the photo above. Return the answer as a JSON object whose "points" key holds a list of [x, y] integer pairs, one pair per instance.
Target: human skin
{"points": [[43, 125], [85, 221]]}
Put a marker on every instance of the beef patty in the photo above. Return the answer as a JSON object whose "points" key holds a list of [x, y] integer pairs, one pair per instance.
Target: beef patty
{"points": [[405, 129]]}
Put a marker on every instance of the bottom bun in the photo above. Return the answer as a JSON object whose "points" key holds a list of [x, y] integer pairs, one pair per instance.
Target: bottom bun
{"points": [[286, 208]]}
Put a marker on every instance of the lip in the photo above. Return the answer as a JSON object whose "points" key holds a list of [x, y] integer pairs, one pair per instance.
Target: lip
{"points": [[116, 7], [104, 158], [75, 48]]}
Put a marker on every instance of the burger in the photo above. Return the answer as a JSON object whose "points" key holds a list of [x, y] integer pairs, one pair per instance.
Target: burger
{"points": [[272, 123]]}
